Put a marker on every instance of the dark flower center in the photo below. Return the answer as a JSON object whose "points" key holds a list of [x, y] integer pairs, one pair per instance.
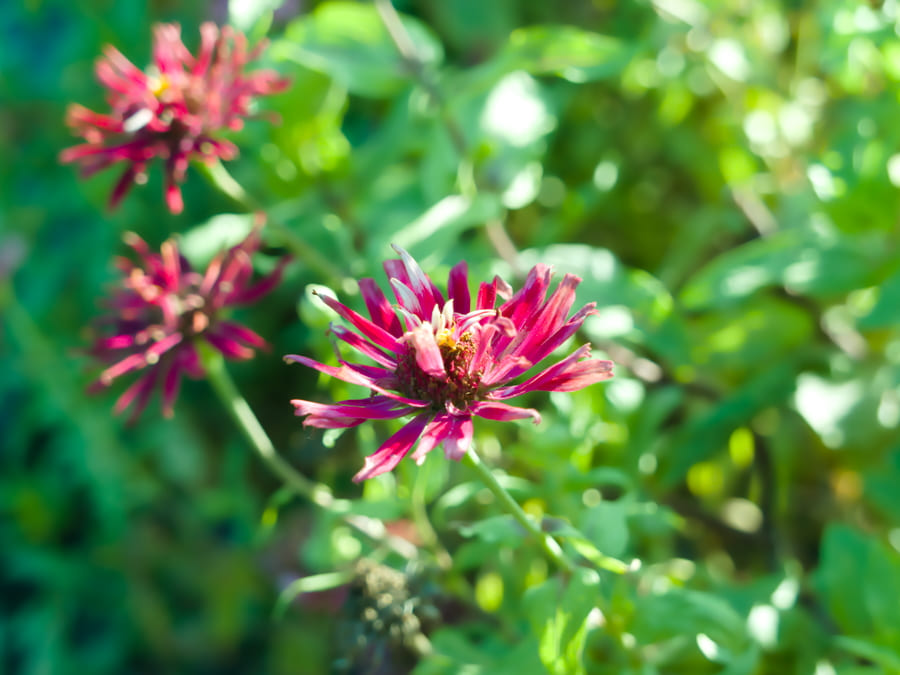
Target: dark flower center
{"points": [[459, 387]]}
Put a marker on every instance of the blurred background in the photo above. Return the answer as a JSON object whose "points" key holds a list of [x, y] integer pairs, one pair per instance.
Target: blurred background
{"points": [[723, 175]]}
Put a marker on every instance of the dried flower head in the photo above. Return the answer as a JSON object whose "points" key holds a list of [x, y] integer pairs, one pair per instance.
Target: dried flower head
{"points": [[446, 360], [174, 111], [163, 307]]}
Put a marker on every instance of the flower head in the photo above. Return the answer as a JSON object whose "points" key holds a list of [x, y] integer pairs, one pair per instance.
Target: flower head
{"points": [[174, 111], [445, 360], [163, 307]]}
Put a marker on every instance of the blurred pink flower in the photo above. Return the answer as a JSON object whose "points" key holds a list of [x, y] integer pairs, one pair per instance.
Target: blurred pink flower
{"points": [[445, 361], [174, 111], [162, 308]]}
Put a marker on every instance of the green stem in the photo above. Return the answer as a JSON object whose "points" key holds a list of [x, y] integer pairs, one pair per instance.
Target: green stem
{"points": [[406, 47], [423, 524], [549, 544], [219, 177], [240, 412]]}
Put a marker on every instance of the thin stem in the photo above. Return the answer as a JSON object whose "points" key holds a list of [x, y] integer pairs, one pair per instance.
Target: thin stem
{"points": [[549, 544], [495, 229], [423, 524], [220, 178], [240, 412]]}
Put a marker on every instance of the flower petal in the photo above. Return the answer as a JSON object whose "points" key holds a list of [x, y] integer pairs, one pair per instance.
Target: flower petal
{"points": [[571, 374], [458, 288], [435, 433], [361, 375], [494, 410], [349, 413], [428, 354], [376, 333], [380, 309], [363, 346], [459, 437], [393, 449]]}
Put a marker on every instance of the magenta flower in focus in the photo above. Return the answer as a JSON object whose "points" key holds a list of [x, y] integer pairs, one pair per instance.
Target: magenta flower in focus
{"points": [[174, 111], [163, 307], [446, 360]]}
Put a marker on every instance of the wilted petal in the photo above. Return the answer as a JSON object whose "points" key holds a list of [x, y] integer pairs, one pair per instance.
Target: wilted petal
{"points": [[428, 354]]}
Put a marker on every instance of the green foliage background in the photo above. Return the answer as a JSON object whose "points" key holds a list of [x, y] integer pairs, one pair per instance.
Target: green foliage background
{"points": [[723, 176]]}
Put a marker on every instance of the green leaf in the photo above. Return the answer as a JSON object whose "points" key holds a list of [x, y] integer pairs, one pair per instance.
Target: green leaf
{"points": [[201, 243], [559, 616], [349, 42], [606, 526], [802, 260], [496, 529], [252, 17], [569, 52], [884, 313], [707, 433], [679, 612], [888, 659], [859, 579]]}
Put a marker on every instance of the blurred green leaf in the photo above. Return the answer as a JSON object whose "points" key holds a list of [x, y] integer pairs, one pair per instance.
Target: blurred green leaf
{"points": [[680, 612], [569, 52], [559, 614], [884, 313], [252, 17], [707, 433], [495, 530], [859, 579], [804, 261], [606, 526], [348, 41]]}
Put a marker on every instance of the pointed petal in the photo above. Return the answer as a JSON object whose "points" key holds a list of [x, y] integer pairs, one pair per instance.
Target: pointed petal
{"points": [[349, 413], [458, 288], [380, 309], [418, 281], [459, 437], [376, 333], [355, 374], [171, 384], [363, 346], [236, 331], [231, 349], [409, 300], [494, 410], [392, 450], [528, 299], [571, 374], [434, 434], [139, 391]]}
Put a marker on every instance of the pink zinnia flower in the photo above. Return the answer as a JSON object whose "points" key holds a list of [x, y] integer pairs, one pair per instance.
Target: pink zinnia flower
{"points": [[174, 111], [163, 307], [446, 360]]}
